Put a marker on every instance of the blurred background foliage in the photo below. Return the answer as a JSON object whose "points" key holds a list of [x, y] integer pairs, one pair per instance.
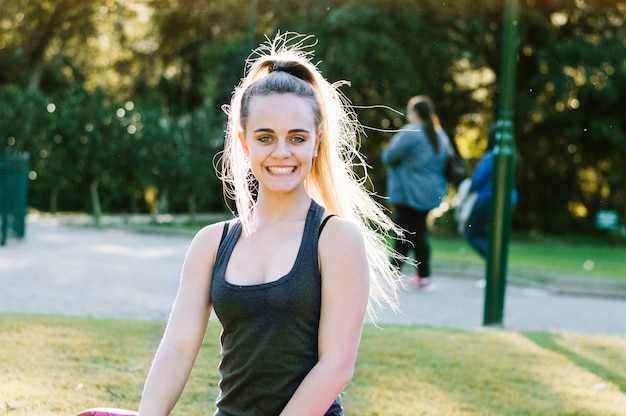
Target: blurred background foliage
{"points": [[119, 102]]}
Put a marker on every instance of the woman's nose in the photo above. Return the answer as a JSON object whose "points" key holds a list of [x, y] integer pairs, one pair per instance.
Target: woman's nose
{"points": [[281, 149]]}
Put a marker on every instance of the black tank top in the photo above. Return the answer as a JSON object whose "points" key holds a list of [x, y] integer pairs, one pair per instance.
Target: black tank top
{"points": [[269, 331]]}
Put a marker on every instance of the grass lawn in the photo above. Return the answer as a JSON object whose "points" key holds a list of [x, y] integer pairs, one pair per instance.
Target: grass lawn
{"points": [[53, 366], [537, 257], [590, 257], [575, 255]]}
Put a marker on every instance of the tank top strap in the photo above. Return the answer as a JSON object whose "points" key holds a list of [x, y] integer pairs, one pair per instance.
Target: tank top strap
{"points": [[315, 220], [230, 235], [323, 224]]}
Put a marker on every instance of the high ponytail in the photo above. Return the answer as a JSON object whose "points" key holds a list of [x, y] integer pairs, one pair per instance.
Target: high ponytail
{"points": [[425, 109]]}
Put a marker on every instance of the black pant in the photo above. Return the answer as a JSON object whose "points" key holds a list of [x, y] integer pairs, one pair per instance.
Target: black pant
{"points": [[414, 222]]}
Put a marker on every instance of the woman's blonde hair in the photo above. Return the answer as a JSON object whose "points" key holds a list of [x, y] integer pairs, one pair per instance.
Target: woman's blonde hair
{"points": [[283, 65]]}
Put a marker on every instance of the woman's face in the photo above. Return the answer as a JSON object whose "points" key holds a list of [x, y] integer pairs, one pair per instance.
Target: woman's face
{"points": [[281, 140]]}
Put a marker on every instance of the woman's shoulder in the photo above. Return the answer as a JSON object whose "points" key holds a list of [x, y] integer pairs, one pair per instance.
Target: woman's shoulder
{"points": [[340, 231], [343, 253], [210, 235], [214, 227], [412, 135], [443, 136]]}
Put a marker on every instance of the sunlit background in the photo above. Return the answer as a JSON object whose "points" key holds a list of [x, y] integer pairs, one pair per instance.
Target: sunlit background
{"points": [[119, 103]]}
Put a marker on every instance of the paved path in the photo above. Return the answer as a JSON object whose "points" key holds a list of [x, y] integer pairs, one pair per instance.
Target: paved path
{"points": [[79, 271]]}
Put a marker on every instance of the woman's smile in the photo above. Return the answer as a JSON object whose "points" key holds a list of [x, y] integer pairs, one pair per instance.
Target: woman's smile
{"points": [[281, 170]]}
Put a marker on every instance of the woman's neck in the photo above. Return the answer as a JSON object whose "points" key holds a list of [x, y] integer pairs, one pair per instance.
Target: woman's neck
{"points": [[273, 209]]}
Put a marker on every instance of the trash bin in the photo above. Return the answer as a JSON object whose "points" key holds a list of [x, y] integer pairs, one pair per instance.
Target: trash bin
{"points": [[14, 165]]}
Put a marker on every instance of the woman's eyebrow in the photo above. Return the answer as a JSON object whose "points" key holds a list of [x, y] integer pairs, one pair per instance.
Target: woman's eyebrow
{"points": [[263, 130], [299, 131], [268, 130]]}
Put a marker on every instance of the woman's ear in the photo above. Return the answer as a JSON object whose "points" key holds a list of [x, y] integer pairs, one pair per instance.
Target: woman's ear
{"points": [[244, 143], [316, 147], [318, 140]]}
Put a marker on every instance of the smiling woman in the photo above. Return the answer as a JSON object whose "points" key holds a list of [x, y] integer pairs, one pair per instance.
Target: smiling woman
{"points": [[292, 276]]}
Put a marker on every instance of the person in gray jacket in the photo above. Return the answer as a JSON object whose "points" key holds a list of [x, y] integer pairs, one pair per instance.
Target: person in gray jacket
{"points": [[416, 158]]}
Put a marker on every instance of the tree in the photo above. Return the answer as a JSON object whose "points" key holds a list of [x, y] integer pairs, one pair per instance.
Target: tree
{"points": [[570, 125], [166, 67]]}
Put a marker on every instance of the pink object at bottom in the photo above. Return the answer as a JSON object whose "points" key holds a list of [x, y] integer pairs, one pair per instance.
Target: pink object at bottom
{"points": [[107, 411]]}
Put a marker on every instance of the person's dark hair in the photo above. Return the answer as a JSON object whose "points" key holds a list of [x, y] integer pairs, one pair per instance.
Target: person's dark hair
{"points": [[425, 109]]}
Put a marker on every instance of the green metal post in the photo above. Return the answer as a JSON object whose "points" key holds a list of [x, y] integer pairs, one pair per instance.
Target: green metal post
{"points": [[502, 175], [4, 197]]}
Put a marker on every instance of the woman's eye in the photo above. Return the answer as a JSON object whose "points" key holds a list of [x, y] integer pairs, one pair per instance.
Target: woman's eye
{"points": [[298, 139], [265, 139]]}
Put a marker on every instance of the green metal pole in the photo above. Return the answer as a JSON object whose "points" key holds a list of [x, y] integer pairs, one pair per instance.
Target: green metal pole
{"points": [[502, 175], [4, 196]]}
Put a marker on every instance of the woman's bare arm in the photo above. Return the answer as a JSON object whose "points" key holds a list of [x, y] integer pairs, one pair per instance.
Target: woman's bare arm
{"points": [[186, 327], [345, 289]]}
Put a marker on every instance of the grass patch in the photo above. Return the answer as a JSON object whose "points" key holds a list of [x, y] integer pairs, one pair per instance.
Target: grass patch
{"points": [[590, 256], [53, 366], [538, 257]]}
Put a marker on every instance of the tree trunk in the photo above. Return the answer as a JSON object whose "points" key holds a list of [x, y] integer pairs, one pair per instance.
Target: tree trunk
{"points": [[34, 78], [54, 200], [164, 202], [134, 201], [191, 202], [95, 200]]}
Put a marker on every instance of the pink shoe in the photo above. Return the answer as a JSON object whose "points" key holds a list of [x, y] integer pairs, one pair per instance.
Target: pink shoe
{"points": [[425, 284], [422, 283]]}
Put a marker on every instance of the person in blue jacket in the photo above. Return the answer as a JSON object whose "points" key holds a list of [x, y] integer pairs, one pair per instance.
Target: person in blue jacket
{"points": [[416, 159], [477, 228]]}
